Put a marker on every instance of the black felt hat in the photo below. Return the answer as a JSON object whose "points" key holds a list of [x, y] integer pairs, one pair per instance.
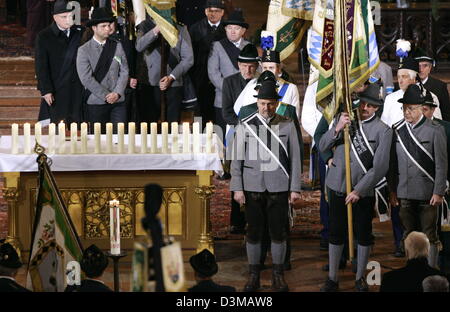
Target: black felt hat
{"points": [[271, 56], [409, 63], [60, 6], [372, 94], [249, 54], [100, 15], [268, 91], [215, 4], [265, 76], [413, 95], [421, 56], [204, 263], [94, 261], [9, 257], [236, 18], [429, 100]]}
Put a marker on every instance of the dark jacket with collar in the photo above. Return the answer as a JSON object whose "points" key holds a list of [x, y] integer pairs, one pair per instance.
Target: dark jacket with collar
{"points": [[202, 37], [232, 88], [9, 285], [51, 48], [439, 88], [210, 286], [408, 278]]}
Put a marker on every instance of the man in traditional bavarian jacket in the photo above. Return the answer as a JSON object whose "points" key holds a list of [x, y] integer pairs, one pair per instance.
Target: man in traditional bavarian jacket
{"points": [[265, 175], [103, 70], [370, 146], [418, 172], [223, 60]]}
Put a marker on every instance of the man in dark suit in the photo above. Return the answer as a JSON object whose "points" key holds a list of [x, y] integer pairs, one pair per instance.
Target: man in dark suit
{"points": [[436, 86], [9, 265], [56, 53], [93, 264], [203, 34], [410, 277], [205, 266]]}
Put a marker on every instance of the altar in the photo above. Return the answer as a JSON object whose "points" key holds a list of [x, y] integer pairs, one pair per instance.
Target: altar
{"points": [[88, 181]]}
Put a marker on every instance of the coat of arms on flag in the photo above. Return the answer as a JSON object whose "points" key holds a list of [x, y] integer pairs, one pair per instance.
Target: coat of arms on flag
{"points": [[54, 241], [172, 267]]}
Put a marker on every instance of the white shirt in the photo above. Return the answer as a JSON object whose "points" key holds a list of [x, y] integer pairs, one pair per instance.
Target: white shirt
{"points": [[393, 110], [237, 43], [211, 24], [63, 30], [310, 116], [100, 43]]}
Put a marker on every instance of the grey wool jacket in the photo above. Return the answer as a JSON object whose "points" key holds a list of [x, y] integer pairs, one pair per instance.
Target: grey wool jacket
{"points": [[183, 52], [247, 172], [379, 136], [116, 79], [220, 67], [406, 178]]}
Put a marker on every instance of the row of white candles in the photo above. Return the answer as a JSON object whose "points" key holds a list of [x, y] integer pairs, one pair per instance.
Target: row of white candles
{"points": [[60, 141]]}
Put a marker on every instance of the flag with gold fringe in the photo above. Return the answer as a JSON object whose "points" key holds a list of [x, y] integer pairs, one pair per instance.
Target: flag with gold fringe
{"points": [[284, 32], [54, 240], [163, 13], [362, 52]]}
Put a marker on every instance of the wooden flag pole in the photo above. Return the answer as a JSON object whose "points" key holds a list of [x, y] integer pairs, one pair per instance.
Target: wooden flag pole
{"points": [[164, 60], [347, 109]]}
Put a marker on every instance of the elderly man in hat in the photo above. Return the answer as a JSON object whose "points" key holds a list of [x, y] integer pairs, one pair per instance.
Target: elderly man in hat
{"points": [[203, 34], [265, 176], [205, 267], [93, 264], [9, 265], [407, 74], [436, 86], [57, 79], [418, 169], [103, 70], [232, 88], [223, 60], [270, 61], [370, 141]]}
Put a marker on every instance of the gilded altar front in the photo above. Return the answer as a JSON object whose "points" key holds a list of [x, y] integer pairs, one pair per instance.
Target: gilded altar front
{"points": [[184, 212]]}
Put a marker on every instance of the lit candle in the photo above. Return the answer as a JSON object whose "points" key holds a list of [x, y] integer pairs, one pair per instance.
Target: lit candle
{"points": [[97, 137], [174, 129], [27, 138], [186, 133], [73, 138], [14, 138], [84, 138], [196, 137], [165, 137], [109, 144], [38, 133], [209, 134], [144, 132], [154, 138], [51, 138], [62, 137], [120, 134], [131, 137], [114, 224]]}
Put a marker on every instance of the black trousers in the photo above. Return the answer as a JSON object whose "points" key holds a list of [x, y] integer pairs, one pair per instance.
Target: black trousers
{"points": [[362, 219], [266, 208], [205, 97], [104, 113], [174, 97], [237, 217]]}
